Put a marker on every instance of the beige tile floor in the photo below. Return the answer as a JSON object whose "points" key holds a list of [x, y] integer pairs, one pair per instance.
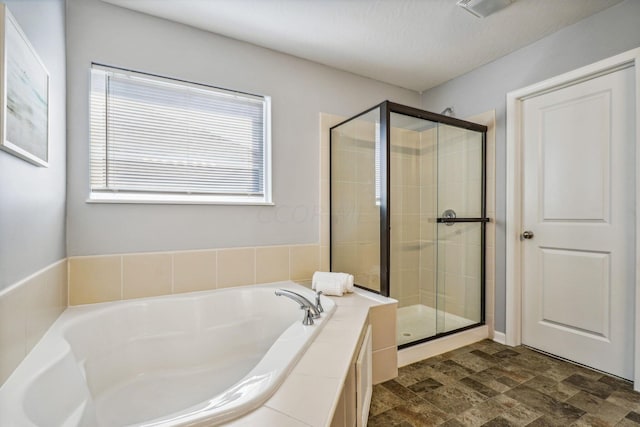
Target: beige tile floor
{"points": [[489, 384]]}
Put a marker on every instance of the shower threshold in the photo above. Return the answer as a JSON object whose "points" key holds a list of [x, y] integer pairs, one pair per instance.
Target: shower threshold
{"points": [[416, 323]]}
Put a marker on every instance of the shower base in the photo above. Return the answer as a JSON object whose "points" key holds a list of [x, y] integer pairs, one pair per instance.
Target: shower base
{"points": [[418, 321]]}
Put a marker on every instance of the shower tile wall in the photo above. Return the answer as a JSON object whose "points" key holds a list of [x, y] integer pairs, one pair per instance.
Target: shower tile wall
{"points": [[405, 216], [428, 215]]}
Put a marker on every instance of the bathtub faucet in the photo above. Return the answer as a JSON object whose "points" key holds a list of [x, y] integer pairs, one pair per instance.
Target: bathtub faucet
{"points": [[310, 310]]}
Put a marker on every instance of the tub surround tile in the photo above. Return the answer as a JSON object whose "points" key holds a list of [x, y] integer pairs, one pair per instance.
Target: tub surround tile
{"points": [[13, 329], [146, 275], [236, 267], [47, 299], [305, 260], [27, 310], [385, 365], [323, 360], [324, 367], [342, 334], [383, 325], [194, 271], [272, 264], [311, 401], [266, 417], [95, 279]]}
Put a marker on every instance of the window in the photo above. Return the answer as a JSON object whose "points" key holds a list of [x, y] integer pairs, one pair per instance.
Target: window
{"points": [[161, 140]]}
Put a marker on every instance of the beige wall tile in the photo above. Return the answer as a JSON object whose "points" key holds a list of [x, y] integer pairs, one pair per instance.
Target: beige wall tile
{"points": [[345, 228], [272, 264], [194, 271], [95, 279], [491, 198], [305, 260], [236, 267], [342, 165], [385, 365], [409, 301], [325, 258], [47, 299], [325, 195], [383, 326], [410, 282], [325, 235], [343, 197], [146, 275], [345, 258], [13, 328]]}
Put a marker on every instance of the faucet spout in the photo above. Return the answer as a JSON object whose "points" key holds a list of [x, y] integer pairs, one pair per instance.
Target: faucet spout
{"points": [[311, 312]]}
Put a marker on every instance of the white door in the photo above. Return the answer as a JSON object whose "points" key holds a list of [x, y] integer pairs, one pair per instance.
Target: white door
{"points": [[578, 202]]}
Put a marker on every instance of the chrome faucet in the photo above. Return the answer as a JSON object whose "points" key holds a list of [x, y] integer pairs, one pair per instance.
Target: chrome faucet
{"points": [[318, 304], [310, 311]]}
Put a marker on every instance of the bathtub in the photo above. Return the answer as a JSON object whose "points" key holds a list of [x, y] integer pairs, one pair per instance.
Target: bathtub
{"points": [[192, 359]]}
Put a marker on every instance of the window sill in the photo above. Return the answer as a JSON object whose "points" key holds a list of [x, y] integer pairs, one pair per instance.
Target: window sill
{"points": [[156, 199]]}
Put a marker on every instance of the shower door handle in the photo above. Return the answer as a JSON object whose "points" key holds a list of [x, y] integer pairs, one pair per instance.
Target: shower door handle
{"points": [[527, 235], [449, 217]]}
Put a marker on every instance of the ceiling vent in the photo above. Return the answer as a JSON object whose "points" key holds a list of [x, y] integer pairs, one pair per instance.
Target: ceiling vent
{"points": [[483, 8]]}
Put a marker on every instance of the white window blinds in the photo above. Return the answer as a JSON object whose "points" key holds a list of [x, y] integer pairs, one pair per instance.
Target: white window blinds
{"points": [[159, 139]]}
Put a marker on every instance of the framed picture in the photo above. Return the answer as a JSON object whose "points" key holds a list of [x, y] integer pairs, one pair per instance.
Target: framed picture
{"points": [[24, 95]]}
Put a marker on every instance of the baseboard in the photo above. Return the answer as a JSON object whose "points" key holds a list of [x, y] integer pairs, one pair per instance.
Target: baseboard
{"points": [[500, 337]]}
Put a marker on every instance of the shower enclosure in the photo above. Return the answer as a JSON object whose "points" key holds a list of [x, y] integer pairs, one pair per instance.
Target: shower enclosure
{"points": [[408, 215]]}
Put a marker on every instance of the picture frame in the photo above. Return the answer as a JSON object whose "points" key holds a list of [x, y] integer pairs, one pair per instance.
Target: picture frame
{"points": [[24, 95]]}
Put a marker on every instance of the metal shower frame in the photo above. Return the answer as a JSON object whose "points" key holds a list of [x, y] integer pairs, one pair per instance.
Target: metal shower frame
{"points": [[386, 108]]}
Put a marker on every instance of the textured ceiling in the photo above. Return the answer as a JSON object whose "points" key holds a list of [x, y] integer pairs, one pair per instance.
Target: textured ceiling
{"points": [[416, 44]]}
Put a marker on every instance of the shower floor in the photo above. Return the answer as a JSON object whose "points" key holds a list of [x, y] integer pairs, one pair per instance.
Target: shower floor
{"points": [[418, 321]]}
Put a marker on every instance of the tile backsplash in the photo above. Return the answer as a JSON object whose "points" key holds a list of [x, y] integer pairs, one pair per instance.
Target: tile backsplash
{"points": [[114, 277]]}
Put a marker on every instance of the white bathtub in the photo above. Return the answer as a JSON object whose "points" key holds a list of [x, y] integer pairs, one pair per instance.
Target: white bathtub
{"points": [[192, 359]]}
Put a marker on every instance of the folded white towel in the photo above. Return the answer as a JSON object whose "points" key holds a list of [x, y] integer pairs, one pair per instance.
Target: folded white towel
{"points": [[332, 283], [330, 287], [350, 282]]}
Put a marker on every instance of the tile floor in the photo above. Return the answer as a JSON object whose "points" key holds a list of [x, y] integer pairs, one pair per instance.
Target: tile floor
{"points": [[489, 384]]}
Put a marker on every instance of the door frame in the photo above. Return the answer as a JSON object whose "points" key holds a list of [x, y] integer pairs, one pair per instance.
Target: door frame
{"points": [[514, 224]]}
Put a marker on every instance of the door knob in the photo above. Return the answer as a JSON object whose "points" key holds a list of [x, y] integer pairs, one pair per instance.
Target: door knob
{"points": [[527, 235]]}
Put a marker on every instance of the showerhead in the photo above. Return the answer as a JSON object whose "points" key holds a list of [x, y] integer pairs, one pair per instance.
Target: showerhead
{"points": [[448, 112]]}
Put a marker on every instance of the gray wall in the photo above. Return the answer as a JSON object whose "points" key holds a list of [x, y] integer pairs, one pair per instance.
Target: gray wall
{"points": [[612, 31], [300, 90], [32, 198]]}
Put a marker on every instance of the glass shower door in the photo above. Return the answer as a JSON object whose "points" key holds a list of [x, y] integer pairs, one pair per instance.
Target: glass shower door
{"points": [[413, 142], [460, 228], [355, 199]]}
